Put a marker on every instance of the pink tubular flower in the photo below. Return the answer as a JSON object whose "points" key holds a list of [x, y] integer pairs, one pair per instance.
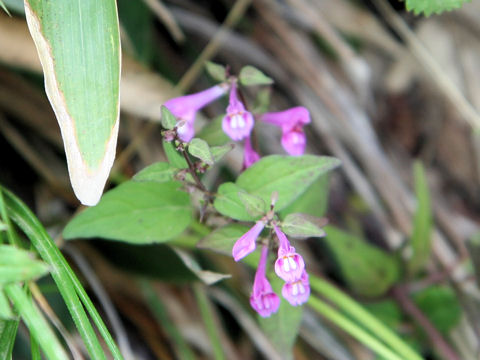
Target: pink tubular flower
{"points": [[185, 108], [291, 121], [246, 244], [263, 300], [250, 156], [289, 265], [297, 292], [238, 123]]}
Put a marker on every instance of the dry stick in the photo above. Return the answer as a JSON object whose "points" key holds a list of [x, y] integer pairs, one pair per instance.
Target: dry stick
{"points": [[401, 295], [437, 74], [165, 16]]}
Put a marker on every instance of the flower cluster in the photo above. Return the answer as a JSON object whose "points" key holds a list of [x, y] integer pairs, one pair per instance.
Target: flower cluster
{"points": [[238, 122], [289, 266]]}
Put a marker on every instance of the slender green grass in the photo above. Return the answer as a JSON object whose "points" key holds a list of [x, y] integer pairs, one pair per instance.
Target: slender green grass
{"points": [[8, 332], [357, 312], [67, 283], [36, 323], [208, 319]]}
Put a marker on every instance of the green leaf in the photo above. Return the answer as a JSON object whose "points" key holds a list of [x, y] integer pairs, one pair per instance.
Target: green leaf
{"points": [[8, 333], [422, 223], [200, 149], [227, 202], [362, 264], [174, 157], [250, 76], [219, 151], [216, 71], [222, 240], [78, 43], [441, 306], [429, 7], [3, 226], [6, 312], [213, 133], [283, 326], [313, 201], [303, 225], [254, 205], [159, 172], [289, 176], [135, 212], [168, 119], [387, 311], [18, 265]]}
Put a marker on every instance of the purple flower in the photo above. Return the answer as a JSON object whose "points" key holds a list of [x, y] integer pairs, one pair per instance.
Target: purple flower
{"points": [[291, 121], [238, 123], [263, 300], [297, 292], [250, 156], [185, 108], [246, 244], [289, 265]]}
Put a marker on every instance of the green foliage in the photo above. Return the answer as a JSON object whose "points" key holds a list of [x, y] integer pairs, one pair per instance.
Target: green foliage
{"points": [[302, 225], [174, 157], [387, 311], [68, 284], [422, 223], [254, 205], [222, 239], [441, 306], [216, 71], [362, 264], [250, 76], [135, 212], [199, 148], [6, 312], [78, 42], [289, 176], [283, 326], [219, 152], [8, 333], [17, 265], [429, 7], [159, 172], [168, 119]]}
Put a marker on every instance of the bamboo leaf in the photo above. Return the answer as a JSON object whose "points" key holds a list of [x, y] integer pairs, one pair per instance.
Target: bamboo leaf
{"points": [[78, 44]]}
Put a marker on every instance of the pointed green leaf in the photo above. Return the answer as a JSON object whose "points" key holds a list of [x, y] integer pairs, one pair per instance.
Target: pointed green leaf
{"points": [[250, 76], [78, 43], [219, 151], [227, 202], [254, 205], [135, 212], [222, 240], [200, 149], [428, 7], [362, 264], [216, 71], [6, 312], [168, 120], [303, 225], [174, 157], [158, 172], [289, 176], [422, 224], [8, 332], [17, 265]]}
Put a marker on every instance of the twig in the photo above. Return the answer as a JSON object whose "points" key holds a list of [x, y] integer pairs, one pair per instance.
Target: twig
{"points": [[401, 295]]}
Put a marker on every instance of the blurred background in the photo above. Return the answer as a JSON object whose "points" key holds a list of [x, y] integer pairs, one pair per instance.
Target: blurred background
{"points": [[386, 90]]}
